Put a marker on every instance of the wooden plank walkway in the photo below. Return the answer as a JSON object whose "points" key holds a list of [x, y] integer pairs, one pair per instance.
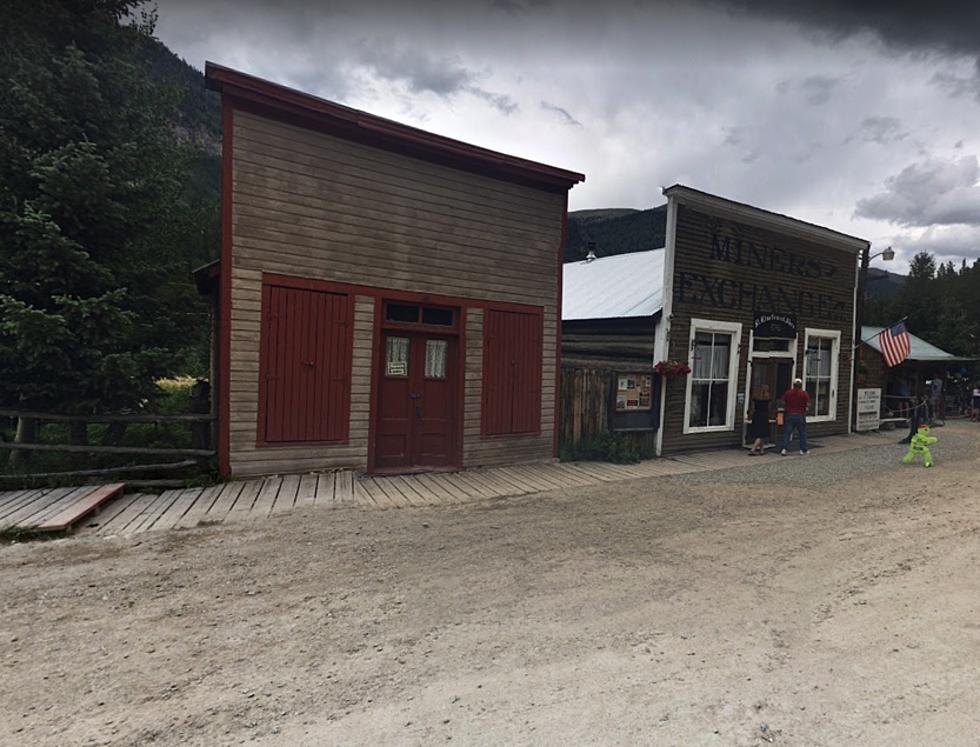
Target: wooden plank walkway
{"points": [[266, 497], [52, 509]]}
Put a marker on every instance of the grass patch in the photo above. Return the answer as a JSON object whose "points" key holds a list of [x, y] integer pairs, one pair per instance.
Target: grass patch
{"points": [[617, 448]]}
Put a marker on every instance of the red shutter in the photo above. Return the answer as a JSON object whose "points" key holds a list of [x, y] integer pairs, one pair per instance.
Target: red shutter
{"points": [[305, 366], [512, 358]]}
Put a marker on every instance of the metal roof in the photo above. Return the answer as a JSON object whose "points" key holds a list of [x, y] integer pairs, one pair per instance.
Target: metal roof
{"points": [[617, 287], [920, 349]]}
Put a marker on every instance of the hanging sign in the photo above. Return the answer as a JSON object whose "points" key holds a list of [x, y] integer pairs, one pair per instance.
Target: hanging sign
{"points": [[782, 326]]}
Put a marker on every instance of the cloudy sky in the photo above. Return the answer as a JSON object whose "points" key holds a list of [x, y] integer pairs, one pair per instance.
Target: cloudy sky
{"points": [[865, 119]]}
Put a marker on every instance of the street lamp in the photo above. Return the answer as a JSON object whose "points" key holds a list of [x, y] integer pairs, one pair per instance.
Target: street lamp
{"points": [[887, 254]]}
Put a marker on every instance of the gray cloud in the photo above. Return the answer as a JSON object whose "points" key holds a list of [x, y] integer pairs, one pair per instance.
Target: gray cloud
{"points": [[928, 193], [500, 101], [425, 73], [881, 130], [816, 89], [946, 242], [949, 25], [516, 7], [958, 86], [946, 26], [420, 71], [561, 112]]}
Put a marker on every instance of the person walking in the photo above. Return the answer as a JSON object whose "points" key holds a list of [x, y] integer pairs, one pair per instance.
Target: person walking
{"points": [[759, 426], [797, 402]]}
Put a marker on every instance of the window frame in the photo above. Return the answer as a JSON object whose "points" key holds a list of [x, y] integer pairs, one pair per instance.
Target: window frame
{"points": [[835, 336], [715, 327]]}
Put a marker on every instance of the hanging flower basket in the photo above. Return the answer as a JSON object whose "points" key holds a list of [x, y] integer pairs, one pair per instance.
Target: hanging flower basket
{"points": [[671, 369]]}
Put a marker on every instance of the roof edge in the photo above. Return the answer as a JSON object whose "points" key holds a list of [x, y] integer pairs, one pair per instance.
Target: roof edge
{"points": [[355, 124], [766, 218]]}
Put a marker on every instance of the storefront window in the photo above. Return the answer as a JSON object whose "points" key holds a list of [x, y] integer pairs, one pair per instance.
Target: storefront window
{"points": [[820, 372], [710, 401]]}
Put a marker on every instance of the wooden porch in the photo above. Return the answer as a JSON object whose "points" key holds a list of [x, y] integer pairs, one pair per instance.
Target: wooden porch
{"points": [[107, 513]]}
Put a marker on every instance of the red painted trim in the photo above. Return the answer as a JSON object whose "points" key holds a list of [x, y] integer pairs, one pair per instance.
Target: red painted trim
{"points": [[224, 370], [264, 364], [461, 386], [376, 355], [358, 125], [561, 280]]}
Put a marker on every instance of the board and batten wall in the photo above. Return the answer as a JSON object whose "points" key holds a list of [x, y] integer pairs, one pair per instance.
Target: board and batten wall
{"points": [[706, 287], [313, 205]]}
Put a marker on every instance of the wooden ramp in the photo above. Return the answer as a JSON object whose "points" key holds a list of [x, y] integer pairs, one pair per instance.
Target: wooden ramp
{"points": [[52, 509], [268, 497]]}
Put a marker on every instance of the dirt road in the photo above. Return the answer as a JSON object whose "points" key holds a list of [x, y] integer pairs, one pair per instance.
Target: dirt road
{"points": [[717, 609]]}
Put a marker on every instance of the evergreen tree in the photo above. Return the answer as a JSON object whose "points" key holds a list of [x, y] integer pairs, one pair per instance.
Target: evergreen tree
{"points": [[95, 301]]}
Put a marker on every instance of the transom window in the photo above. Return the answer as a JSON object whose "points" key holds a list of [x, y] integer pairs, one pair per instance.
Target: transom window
{"points": [[770, 345], [820, 371], [711, 385], [413, 313]]}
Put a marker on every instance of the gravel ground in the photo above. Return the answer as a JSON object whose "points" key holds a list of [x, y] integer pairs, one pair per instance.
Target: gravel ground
{"points": [[957, 441], [689, 610]]}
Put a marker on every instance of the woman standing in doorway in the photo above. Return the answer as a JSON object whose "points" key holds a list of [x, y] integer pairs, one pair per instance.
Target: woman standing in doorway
{"points": [[759, 427]]}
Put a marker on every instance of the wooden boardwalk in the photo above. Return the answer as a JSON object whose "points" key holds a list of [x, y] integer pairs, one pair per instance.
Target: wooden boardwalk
{"points": [[52, 509], [261, 498]]}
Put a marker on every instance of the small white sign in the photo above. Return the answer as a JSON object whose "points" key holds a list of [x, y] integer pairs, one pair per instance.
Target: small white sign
{"points": [[868, 410]]}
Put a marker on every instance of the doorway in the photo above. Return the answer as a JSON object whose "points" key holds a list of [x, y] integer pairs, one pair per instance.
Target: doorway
{"points": [[417, 418], [777, 374]]}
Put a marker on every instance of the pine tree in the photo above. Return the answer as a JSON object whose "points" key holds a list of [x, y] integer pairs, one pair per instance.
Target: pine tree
{"points": [[90, 211]]}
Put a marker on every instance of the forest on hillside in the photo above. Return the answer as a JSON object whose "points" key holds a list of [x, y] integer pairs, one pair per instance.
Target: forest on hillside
{"points": [[939, 302]]}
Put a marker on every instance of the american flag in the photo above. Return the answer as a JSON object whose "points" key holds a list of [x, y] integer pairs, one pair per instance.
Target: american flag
{"points": [[895, 344]]}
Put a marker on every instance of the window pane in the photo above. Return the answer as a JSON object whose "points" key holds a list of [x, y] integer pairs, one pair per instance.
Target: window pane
{"points": [[718, 403], [435, 359], [719, 369], [437, 316], [401, 312], [699, 405], [396, 359], [822, 404], [702, 356], [823, 370]]}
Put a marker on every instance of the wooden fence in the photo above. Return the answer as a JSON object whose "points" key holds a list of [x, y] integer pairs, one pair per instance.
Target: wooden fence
{"points": [[201, 431], [586, 398]]}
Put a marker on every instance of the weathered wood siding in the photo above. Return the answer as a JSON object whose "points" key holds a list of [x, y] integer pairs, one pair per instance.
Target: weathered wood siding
{"points": [[614, 344], [312, 205], [734, 296]]}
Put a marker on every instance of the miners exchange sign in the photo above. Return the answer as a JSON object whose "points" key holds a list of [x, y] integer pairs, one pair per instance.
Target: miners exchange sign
{"points": [[753, 277]]}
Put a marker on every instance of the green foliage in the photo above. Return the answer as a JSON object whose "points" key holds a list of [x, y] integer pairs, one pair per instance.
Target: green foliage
{"points": [[103, 211], [941, 303], [608, 447]]}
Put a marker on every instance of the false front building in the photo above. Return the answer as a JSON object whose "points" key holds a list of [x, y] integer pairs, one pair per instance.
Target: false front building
{"points": [[387, 299], [738, 297]]}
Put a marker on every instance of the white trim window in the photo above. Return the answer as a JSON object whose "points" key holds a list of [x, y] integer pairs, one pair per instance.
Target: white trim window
{"points": [[821, 357], [711, 385]]}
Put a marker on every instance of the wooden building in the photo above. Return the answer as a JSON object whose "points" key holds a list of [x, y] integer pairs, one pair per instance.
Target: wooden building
{"points": [[388, 299], [745, 297]]}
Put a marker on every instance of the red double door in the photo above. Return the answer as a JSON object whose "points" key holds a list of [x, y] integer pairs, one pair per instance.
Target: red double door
{"points": [[417, 423]]}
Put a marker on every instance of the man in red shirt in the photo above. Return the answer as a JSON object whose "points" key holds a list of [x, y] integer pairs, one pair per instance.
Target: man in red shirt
{"points": [[797, 402]]}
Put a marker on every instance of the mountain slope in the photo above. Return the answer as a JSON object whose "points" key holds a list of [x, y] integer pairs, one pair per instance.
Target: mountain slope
{"points": [[615, 231]]}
